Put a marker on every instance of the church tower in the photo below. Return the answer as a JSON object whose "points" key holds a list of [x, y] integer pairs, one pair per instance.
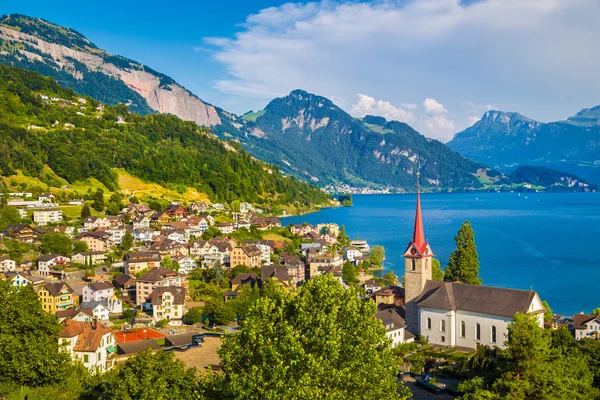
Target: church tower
{"points": [[417, 266]]}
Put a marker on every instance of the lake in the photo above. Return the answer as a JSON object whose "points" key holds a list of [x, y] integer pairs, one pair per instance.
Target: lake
{"points": [[546, 241]]}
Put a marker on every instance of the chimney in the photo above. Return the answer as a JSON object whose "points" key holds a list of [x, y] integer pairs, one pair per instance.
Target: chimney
{"points": [[94, 323]]}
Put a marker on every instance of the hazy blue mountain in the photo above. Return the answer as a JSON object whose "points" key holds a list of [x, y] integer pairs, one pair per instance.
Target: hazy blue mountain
{"points": [[551, 179], [505, 141]]}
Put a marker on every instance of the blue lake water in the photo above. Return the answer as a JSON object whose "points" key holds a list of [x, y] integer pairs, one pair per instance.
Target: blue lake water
{"points": [[546, 241]]}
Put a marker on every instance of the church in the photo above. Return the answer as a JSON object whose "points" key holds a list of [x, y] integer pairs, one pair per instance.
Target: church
{"points": [[454, 313]]}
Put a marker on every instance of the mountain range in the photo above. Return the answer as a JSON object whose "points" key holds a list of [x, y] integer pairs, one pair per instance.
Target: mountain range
{"points": [[307, 135], [506, 140]]}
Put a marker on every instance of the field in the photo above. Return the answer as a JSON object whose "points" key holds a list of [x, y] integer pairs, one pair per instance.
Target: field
{"points": [[137, 334], [276, 237]]}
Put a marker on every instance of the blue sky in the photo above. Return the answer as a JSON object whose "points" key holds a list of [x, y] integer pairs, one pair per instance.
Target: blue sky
{"points": [[435, 64]]}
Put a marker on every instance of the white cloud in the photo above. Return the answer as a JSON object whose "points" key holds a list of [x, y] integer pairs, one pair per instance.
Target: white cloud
{"points": [[535, 53], [409, 106], [367, 105], [433, 107]]}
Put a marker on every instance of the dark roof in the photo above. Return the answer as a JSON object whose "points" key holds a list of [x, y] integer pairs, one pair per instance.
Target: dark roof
{"points": [[15, 228], [179, 340], [157, 274], [97, 234], [245, 278], [136, 347], [391, 319], [55, 288], [579, 320], [122, 279], [473, 298], [141, 256], [178, 293], [100, 286], [274, 271], [48, 257]]}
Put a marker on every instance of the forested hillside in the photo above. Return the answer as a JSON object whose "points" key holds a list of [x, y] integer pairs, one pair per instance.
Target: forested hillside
{"points": [[42, 123]]}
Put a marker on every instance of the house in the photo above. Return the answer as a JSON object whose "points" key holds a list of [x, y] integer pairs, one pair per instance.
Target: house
{"points": [[89, 258], [97, 291], [156, 277], [46, 198], [75, 314], [263, 223], [7, 264], [395, 327], [244, 279], [137, 209], [124, 282], [114, 220], [199, 224], [76, 202], [144, 235], [351, 254], [186, 264], [329, 239], [167, 302], [362, 245], [295, 267], [176, 211], [226, 228], [92, 343], [97, 240], [276, 272], [20, 232], [170, 247], [218, 206], [196, 208], [586, 326], [47, 262], [135, 262], [47, 216], [92, 222], [140, 221], [56, 296], [331, 229], [179, 236], [334, 260], [302, 229], [116, 234], [20, 279], [243, 224], [371, 286], [100, 309], [160, 218], [455, 313], [67, 230], [200, 248], [245, 255], [265, 247]]}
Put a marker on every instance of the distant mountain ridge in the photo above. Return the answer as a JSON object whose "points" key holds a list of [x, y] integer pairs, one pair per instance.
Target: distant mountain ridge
{"points": [[505, 141], [75, 62], [311, 137]]}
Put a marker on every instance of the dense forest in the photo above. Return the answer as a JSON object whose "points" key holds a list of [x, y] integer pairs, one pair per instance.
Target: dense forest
{"points": [[43, 123]]}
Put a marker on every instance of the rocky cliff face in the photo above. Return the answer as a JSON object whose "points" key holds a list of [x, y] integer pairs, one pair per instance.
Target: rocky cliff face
{"points": [[66, 55]]}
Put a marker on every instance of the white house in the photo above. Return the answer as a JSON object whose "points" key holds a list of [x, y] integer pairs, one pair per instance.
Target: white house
{"points": [[90, 257], [100, 309], [7, 265], [168, 302], [351, 254], [92, 343], [586, 325], [46, 262], [116, 234], [395, 326], [92, 222], [48, 216], [77, 202], [141, 221], [186, 264], [97, 291]]}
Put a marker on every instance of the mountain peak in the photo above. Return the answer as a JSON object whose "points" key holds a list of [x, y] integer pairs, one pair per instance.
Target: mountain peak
{"points": [[46, 30], [505, 117], [586, 117]]}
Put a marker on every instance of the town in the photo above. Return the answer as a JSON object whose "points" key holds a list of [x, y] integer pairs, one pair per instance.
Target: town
{"points": [[181, 278]]}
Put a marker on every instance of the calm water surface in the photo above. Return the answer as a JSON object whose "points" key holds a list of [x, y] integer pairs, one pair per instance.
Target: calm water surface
{"points": [[546, 241]]}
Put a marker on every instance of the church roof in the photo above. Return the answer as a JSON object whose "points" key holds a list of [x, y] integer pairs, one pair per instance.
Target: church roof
{"points": [[418, 241], [453, 296]]}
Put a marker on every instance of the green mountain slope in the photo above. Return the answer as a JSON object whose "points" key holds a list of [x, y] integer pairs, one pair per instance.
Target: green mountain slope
{"points": [[43, 124], [551, 179], [507, 140], [309, 136]]}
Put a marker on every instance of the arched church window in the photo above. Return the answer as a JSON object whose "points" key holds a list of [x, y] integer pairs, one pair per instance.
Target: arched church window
{"points": [[477, 332], [443, 326], [463, 329]]}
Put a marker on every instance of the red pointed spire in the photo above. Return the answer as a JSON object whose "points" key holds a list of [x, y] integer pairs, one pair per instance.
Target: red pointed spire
{"points": [[419, 234]]}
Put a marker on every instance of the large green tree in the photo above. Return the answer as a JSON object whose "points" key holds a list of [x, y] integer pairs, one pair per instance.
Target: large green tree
{"points": [[377, 255], [127, 242], [350, 273], [437, 274], [464, 262], [57, 242], [8, 215], [98, 203], [152, 376], [322, 343]]}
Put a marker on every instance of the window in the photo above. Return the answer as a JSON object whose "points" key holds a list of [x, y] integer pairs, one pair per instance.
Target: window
{"points": [[442, 326], [426, 264], [493, 334], [462, 328], [413, 266], [85, 358], [477, 332], [443, 339], [428, 324]]}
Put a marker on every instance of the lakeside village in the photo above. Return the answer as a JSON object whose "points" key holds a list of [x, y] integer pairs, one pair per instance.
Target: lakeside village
{"points": [[174, 280]]}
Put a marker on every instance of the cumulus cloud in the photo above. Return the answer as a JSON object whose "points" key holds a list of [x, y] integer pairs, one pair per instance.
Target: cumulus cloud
{"points": [[367, 105], [433, 107], [535, 53]]}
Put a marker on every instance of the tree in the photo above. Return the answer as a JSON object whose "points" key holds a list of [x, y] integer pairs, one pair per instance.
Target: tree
{"points": [[57, 242], [98, 203], [79, 246], [343, 239], [235, 206], [216, 274], [127, 241], [29, 348], [167, 262], [211, 233], [350, 273], [377, 255], [193, 316], [86, 211], [596, 311], [322, 343], [436, 270], [389, 279], [245, 299], [221, 312], [548, 315], [150, 376], [9, 215], [464, 262]]}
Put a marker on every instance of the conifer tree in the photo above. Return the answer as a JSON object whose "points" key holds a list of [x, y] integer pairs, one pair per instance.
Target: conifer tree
{"points": [[464, 262]]}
